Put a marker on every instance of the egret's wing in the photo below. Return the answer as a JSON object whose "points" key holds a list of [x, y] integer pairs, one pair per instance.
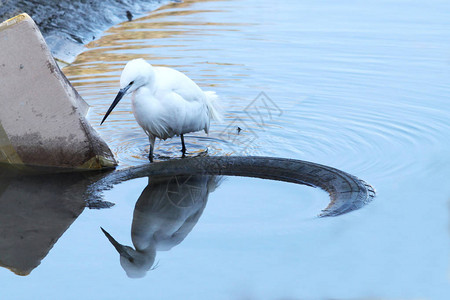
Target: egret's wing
{"points": [[189, 116], [183, 101], [168, 79]]}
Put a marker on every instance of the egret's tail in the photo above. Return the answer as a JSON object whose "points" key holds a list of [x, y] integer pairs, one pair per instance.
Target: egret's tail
{"points": [[215, 111]]}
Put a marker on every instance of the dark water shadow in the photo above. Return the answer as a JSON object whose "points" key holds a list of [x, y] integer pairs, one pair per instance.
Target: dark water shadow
{"points": [[35, 210], [38, 206]]}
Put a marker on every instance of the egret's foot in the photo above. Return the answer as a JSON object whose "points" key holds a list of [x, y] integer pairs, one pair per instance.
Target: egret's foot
{"points": [[150, 157], [203, 153]]}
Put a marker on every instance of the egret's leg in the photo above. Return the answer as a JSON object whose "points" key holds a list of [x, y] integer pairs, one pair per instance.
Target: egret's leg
{"points": [[151, 139], [183, 147]]}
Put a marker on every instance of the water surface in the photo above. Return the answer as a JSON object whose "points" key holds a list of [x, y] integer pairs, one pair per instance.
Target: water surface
{"points": [[362, 87]]}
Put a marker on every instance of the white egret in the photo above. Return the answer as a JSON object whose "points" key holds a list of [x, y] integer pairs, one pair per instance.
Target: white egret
{"points": [[165, 102]]}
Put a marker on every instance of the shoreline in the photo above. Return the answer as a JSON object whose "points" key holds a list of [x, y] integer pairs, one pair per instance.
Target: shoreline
{"points": [[68, 26]]}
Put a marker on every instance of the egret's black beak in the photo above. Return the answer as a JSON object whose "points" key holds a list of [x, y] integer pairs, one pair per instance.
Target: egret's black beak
{"points": [[116, 100], [119, 247]]}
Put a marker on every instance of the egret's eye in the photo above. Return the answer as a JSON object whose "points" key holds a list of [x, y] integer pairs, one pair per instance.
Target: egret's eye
{"points": [[131, 82]]}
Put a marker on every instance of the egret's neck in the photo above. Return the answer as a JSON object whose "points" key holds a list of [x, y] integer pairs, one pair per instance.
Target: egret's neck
{"points": [[149, 79], [148, 87], [149, 250]]}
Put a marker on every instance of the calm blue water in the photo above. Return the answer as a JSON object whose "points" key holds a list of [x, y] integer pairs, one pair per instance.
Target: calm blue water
{"points": [[360, 86]]}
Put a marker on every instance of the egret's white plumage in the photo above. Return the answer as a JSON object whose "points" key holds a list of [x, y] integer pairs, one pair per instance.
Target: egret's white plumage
{"points": [[165, 101]]}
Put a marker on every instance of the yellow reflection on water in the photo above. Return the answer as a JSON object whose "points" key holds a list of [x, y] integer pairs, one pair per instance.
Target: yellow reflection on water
{"points": [[158, 36]]}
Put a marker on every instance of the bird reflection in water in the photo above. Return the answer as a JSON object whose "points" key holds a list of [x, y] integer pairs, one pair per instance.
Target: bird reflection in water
{"points": [[165, 213]]}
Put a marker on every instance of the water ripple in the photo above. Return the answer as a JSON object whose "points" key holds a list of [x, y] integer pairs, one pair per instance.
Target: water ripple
{"points": [[349, 99]]}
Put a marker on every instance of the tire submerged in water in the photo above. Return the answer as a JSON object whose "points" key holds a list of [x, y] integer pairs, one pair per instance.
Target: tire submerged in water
{"points": [[347, 192]]}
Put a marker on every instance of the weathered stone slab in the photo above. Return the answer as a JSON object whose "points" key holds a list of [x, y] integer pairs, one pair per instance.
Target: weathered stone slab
{"points": [[42, 117]]}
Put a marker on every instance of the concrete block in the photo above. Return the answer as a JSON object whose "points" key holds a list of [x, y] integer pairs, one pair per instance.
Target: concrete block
{"points": [[42, 117]]}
